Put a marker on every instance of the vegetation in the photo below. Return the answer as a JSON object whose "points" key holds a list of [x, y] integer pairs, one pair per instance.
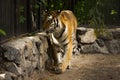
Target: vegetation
{"points": [[88, 11], [21, 16], [2, 32]]}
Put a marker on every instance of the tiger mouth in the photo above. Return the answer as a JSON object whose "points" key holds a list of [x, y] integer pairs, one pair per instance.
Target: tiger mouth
{"points": [[50, 30]]}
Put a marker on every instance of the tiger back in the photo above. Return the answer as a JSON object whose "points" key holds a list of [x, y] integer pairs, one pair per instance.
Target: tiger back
{"points": [[61, 26]]}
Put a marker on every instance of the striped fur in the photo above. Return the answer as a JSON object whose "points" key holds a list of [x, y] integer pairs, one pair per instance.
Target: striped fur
{"points": [[62, 27]]}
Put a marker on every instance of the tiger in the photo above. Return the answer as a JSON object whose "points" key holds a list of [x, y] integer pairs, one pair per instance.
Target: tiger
{"points": [[61, 27]]}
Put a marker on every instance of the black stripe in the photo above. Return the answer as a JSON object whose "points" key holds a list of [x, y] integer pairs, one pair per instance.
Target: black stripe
{"points": [[63, 30], [57, 23], [64, 39], [65, 44]]}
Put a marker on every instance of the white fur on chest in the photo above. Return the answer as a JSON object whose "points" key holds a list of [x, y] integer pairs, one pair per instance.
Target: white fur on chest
{"points": [[54, 40]]}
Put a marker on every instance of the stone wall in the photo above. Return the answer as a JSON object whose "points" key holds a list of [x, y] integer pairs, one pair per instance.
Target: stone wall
{"points": [[21, 57], [108, 42]]}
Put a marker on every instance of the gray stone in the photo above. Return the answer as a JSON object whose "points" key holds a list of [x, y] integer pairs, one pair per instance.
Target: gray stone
{"points": [[1, 53], [106, 36], [12, 54], [110, 34], [24, 55], [116, 34], [14, 76], [113, 46], [8, 76], [42, 47], [12, 67], [109, 42], [86, 35], [96, 47]]}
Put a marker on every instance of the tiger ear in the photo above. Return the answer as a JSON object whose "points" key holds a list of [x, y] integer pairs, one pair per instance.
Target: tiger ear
{"points": [[58, 11], [45, 12]]}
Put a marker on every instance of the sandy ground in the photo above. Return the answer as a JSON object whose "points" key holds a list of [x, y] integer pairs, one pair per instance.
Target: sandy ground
{"points": [[89, 67]]}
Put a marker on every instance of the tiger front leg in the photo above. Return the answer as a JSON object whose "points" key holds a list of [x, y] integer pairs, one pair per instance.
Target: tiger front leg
{"points": [[58, 63], [58, 54], [65, 59]]}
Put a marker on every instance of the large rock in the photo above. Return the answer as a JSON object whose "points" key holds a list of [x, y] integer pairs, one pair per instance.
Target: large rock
{"points": [[109, 42], [25, 55], [113, 46], [97, 47], [86, 35], [115, 33]]}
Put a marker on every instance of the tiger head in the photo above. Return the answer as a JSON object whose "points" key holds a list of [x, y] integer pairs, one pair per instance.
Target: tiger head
{"points": [[50, 21]]}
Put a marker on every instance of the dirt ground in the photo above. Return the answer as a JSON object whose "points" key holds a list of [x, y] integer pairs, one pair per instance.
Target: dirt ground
{"points": [[89, 67]]}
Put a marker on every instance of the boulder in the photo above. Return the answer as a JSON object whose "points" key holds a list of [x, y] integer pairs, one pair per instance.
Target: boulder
{"points": [[25, 55], [113, 46], [115, 33], [97, 47], [109, 42], [86, 35]]}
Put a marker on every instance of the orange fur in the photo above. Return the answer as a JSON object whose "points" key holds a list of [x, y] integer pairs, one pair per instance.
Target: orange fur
{"points": [[70, 21]]}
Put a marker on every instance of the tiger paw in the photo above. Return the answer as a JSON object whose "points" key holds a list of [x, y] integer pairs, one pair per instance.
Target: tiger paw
{"points": [[57, 70], [69, 65]]}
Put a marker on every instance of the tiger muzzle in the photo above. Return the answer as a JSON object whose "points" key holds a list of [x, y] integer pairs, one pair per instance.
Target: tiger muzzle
{"points": [[50, 30]]}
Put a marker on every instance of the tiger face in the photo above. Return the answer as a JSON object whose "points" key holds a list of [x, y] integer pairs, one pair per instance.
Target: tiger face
{"points": [[51, 21]]}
